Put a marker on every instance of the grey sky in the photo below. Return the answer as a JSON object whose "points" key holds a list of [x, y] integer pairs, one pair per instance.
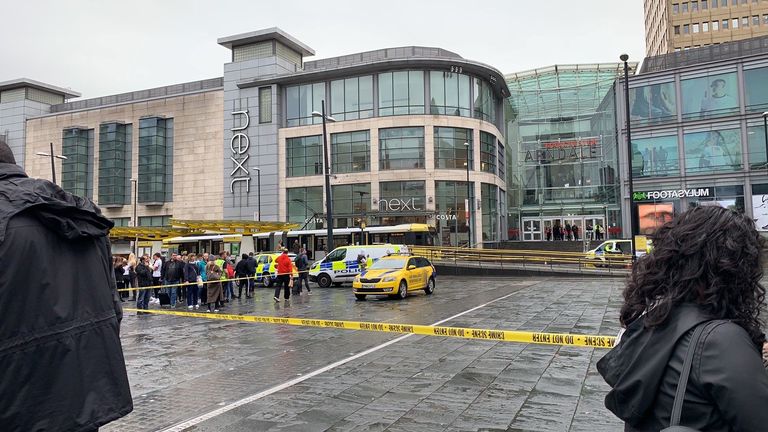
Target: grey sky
{"points": [[106, 47]]}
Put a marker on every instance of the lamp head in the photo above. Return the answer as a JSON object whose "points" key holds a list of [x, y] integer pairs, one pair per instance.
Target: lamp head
{"points": [[765, 114], [624, 57], [317, 114]]}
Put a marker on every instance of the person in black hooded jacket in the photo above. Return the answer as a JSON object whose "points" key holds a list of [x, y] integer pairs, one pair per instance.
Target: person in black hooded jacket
{"points": [[705, 269], [62, 362]]}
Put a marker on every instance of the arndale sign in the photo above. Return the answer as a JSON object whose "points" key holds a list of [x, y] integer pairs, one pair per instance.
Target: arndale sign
{"points": [[670, 194]]}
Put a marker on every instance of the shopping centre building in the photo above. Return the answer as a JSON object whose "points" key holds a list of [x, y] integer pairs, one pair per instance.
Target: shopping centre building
{"points": [[408, 129], [698, 133]]}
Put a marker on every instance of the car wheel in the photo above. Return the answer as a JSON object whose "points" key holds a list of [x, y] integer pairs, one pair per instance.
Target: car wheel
{"points": [[360, 297], [324, 280], [266, 280], [430, 286], [402, 291]]}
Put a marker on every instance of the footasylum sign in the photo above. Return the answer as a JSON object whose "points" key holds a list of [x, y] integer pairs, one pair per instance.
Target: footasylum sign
{"points": [[671, 194]]}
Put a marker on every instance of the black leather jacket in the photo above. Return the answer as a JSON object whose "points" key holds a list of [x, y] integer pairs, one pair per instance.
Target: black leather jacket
{"points": [[727, 388]]}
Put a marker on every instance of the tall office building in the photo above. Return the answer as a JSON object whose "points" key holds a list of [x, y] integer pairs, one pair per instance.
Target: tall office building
{"points": [[677, 25]]}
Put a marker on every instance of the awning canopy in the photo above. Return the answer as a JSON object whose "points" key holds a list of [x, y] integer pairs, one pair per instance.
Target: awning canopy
{"points": [[232, 226], [148, 233]]}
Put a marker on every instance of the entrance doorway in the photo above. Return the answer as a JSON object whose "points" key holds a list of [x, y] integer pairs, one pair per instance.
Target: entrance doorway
{"points": [[552, 228]]}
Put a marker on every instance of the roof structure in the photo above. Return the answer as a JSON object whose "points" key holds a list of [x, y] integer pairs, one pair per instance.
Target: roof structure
{"points": [[232, 226], [26, 82], [264, 35], [149, 233]]}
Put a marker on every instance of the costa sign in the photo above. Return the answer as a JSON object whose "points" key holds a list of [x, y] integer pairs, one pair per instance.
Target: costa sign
{"points": [[239, 144]]}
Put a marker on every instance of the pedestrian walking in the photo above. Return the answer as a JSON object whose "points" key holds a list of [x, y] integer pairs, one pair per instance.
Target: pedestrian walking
{"points": [[117, 268], [215, 294], [157, 271], [190, 277], [692, 306], [284, 275], [128, 275], [241, 274], [144, 279], [61, 358], [250, 267], [302, 265]]}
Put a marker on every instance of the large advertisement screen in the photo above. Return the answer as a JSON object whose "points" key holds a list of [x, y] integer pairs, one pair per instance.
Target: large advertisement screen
{"points": [[654, 103], [710, 96], [760, 211], [654, 215], [655, 156], [712, 151]]}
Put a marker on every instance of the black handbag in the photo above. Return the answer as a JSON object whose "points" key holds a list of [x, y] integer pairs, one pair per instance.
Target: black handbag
{"points": [[677, 406]]}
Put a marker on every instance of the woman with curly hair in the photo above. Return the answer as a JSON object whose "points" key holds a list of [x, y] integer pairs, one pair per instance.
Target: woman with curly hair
{"points": [[705, 270]]}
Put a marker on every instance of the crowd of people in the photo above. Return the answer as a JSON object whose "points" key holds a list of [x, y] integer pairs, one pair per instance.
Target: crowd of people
{"points": [[202, 280]]}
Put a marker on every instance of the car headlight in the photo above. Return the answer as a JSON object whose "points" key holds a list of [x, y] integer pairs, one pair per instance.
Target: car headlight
{"points": [[388, 279]]}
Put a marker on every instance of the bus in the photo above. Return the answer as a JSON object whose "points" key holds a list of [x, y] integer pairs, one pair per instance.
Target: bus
{"points": [[315, 241]]}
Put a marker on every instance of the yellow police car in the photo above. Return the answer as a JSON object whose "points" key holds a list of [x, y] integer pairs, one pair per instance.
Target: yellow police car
{"points": [[395, 276], [266, 268]]}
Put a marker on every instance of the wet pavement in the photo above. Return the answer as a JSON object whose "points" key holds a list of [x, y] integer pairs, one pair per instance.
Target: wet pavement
{"points": [[234, 376]]}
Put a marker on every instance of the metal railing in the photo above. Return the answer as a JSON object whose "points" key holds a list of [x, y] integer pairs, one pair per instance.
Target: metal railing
{"points": [[529, 260]]}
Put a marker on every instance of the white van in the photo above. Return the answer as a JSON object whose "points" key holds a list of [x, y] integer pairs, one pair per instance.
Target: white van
{"points": [[341, 264]]}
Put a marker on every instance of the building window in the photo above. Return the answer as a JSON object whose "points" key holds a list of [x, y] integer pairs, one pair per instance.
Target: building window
{"points": [[712, 151], [351, 203], [155, 160], [487, 152], [655, 157], [705, 26], [124, 222], [450, 204], [755, 20], [735, 23], [756, 145], [725, 24], [155, 221], [745, 21], [677, 29], [449, 93], [695, 6], [675, 8], [765, 19], [502, 162], [704, 5], [305, 206], [304, 156], [114, 164], [401, 148], [301, 100], [351, 152], [450, 151], [715, 25], [755, 89], [352, 98], [686, 29], [724, 3], [265, 105], [696, 27], [401, 93], [714, 4], [485, 103], [710, 96], [685, 7], [489, 207], [77, 169]]}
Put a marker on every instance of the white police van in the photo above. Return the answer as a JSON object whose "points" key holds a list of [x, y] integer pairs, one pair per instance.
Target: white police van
{"points": [[341, 264]]}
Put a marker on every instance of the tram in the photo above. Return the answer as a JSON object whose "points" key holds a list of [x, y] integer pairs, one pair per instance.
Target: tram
{"points": [[315, 241]]}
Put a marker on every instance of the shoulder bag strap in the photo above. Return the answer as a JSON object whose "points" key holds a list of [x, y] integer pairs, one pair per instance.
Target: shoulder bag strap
{"points": [[677, 406]]}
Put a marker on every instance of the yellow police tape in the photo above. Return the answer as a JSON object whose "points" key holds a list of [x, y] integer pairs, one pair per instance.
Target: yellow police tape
{"points": [[455, 332], [223, 280]]}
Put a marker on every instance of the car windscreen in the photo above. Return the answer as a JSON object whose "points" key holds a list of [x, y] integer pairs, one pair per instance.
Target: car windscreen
{"points": [[389, 264]]}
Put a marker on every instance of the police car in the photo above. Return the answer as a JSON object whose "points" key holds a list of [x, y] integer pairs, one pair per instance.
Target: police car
{"points": [[341, 265], [266, 268]]}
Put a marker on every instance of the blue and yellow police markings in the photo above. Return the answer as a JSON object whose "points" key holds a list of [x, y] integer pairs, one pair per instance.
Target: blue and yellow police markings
{"points": [[588, 341]]}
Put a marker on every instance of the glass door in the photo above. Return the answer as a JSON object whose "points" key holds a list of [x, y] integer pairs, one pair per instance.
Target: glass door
{"points": [[594, 227], [531, 229]]}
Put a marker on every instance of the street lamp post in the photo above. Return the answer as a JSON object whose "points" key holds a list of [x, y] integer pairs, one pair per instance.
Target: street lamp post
{"points": [[765, 135], [52, 155], [258, 190], [327, 173], [135, 187], [469, 199], [632, 212], [362, 215]]}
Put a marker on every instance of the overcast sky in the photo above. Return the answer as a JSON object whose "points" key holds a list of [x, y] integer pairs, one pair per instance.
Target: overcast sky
{"points": [[102, 47]]}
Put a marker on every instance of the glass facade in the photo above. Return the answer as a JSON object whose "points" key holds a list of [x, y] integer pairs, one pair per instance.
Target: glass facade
{"points": [[301, 101], [402, 202], [114, 164], [265, 105], [485, 101], [713, 95], [304, 156], [351, 152], [155, 160], [450, 212], [712, 151], [487, 152], [653, 103], [401, 148], [450, 151], [756, 89], [305, 206], [655, 156], [562, 147], [401, 93], [77, 169], [351, 204], [352, 98], [155, 221], [449, 94], [489, 207], [756, 141]]}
